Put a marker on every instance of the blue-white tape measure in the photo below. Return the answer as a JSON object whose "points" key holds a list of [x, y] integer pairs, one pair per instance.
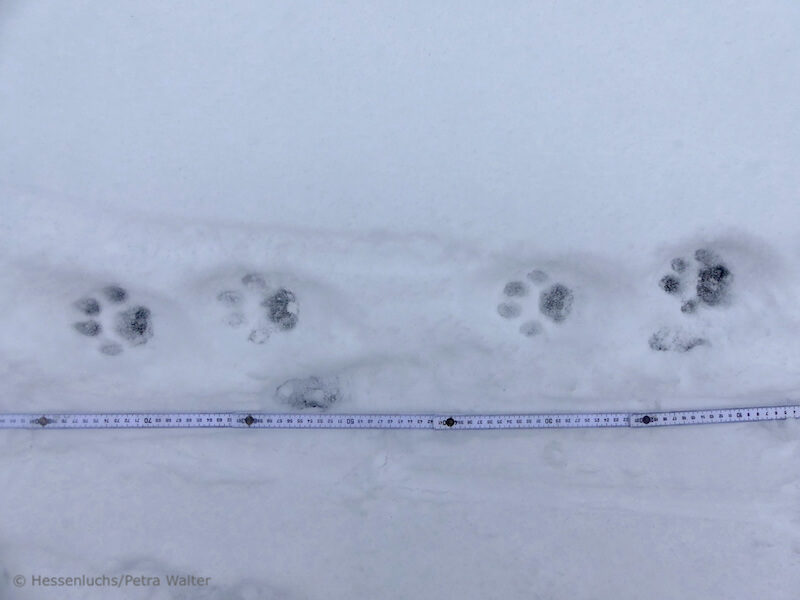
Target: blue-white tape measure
{"points": [[255, 420]]}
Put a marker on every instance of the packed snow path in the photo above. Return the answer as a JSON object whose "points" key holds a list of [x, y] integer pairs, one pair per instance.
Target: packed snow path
{"points": [[182, 315]]}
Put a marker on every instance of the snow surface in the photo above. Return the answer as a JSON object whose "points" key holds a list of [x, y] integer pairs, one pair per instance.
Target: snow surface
{"points": [[395, 167]]}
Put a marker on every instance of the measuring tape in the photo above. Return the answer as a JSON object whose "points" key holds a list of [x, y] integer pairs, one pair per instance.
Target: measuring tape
{"points": [[393, 421]]}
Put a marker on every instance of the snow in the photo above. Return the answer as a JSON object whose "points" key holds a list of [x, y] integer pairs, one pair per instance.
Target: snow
{"points": [[395, 168]]}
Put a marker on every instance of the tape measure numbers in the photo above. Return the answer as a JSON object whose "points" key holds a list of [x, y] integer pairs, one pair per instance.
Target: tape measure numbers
{"points": [[393, 421], [727, 415]]}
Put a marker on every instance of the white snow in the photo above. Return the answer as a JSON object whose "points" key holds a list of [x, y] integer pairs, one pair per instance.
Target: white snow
{"points": [[394, 167]]}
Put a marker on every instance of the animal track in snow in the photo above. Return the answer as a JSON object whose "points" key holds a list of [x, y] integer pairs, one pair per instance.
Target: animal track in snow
{"points": [[666, 339], [259, 307], [707, 282], [553, 301], [704, 282], [311, 392], [116, 323]]}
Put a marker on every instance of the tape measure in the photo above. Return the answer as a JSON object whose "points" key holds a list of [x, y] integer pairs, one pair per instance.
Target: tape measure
{"points": [[240, 420]]}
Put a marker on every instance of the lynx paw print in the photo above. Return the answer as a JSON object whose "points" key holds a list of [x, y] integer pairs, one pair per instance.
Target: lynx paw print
{"points": [[113, 320], [706, 282], [259, 308], [553, 301]]}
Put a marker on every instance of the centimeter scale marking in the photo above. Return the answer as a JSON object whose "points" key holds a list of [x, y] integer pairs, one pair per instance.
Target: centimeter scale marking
{"points": [[394, 421]]}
